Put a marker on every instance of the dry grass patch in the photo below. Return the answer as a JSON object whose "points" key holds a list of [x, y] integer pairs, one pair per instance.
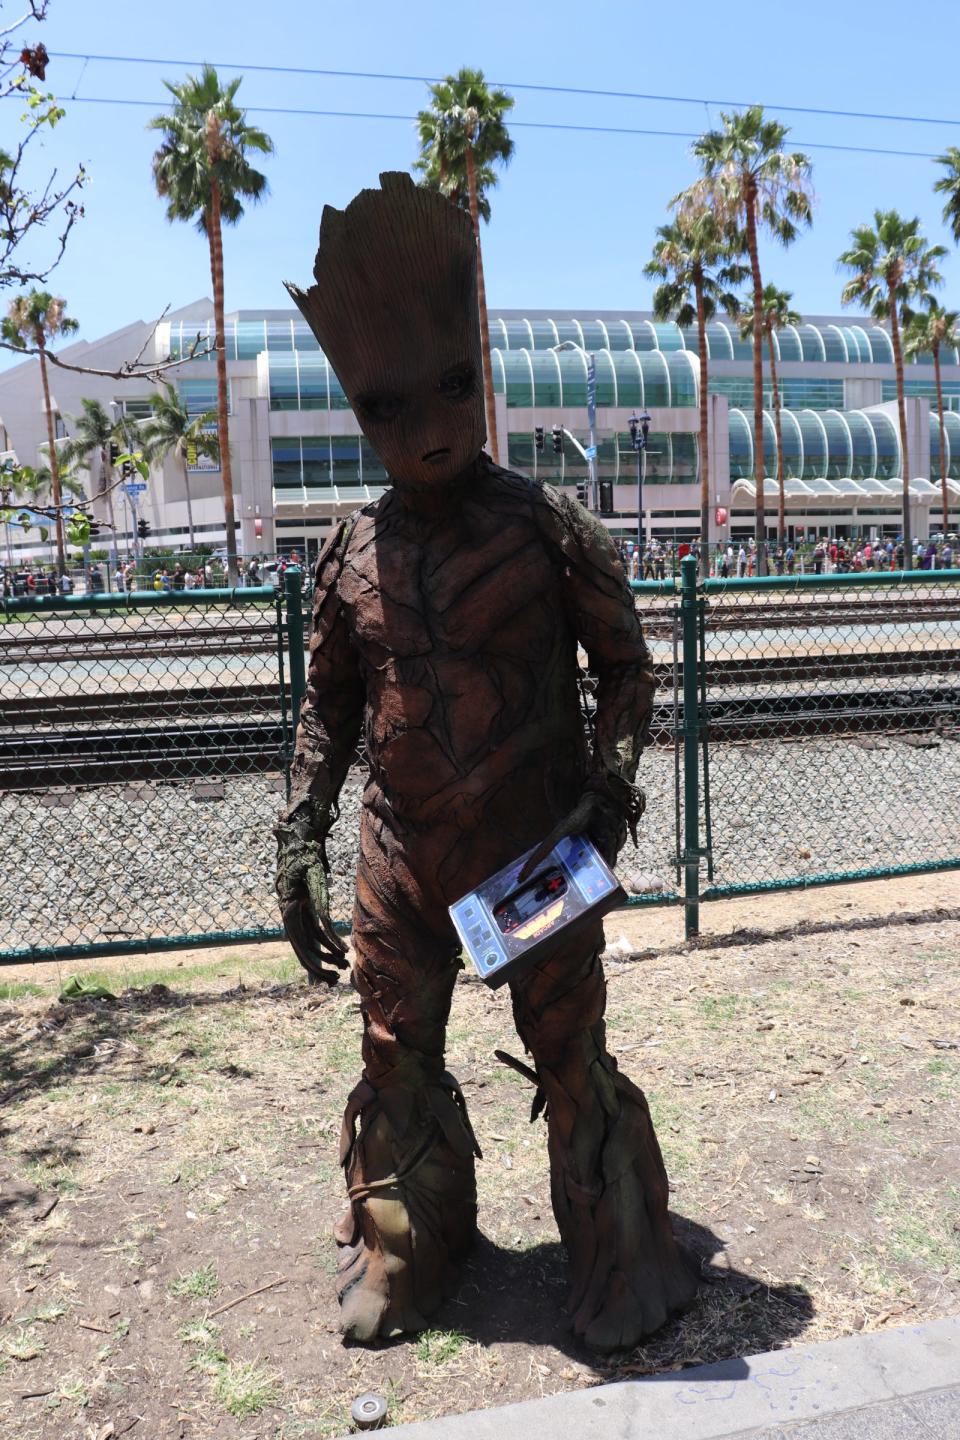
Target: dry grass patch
{"points": [[168, 1153]]}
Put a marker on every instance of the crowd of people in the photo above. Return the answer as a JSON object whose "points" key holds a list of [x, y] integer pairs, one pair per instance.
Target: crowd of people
{"points": [[826, 556], [29, 580]]}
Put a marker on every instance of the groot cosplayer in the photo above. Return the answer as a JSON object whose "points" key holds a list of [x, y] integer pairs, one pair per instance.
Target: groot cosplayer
{"points": [[446, 621]]}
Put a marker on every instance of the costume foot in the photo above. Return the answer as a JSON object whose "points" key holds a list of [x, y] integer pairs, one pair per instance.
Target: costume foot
{"points": [[368, 1311], [413, 1206], [629, 1306]]}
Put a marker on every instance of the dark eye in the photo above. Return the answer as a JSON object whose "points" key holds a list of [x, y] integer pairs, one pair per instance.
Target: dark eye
{"points": [[457, 384], [379, 407]]}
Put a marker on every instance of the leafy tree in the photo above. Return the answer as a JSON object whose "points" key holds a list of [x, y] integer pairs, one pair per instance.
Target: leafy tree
{"points": [[926, 334], [31, 485], [462, 138], [34, 320], [696, 263], [777, 312], [751, 183], [893, 267], [171, 430], [203, 172]]}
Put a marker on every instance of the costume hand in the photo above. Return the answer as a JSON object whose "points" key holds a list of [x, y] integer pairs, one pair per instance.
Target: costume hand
{"points": [[596, 815], [304, 897]]}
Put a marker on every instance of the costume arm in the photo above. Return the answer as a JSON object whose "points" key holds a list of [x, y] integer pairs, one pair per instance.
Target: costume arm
{"points": [[331, 715], [602, 614], [326, 737]]}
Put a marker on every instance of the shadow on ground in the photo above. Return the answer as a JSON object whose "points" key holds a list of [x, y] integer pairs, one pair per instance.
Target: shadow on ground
{"points": [[508, 1296]]}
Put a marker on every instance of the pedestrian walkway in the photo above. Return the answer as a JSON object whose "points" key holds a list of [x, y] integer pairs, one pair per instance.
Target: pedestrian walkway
{"points": [[900, 1384]]}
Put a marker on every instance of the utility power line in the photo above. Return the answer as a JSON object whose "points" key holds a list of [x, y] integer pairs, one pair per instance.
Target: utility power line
{"points": [[514, 124], [520, 85]]}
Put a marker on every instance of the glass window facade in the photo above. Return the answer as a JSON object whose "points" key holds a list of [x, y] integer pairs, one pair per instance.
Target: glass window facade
{"points": [[317, 462], [199, 396], [304, 382], [949, 388], [795, 394]]}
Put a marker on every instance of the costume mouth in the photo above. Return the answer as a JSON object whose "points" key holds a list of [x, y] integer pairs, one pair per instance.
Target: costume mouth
{"points": [[435, 454]]}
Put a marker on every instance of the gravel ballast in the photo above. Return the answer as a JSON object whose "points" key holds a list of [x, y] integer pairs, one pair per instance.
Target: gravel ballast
{"points": [[150, 860]]}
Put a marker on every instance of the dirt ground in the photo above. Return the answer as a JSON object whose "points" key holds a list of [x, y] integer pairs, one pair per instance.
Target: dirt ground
{"points": [[168, 1173]]}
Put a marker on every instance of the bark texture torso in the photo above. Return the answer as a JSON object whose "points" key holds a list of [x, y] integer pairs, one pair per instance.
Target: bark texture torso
{"points": [[456, 636]]}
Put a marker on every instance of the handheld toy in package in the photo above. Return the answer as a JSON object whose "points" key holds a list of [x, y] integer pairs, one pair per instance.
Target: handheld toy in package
{"points": [[505, 927]]}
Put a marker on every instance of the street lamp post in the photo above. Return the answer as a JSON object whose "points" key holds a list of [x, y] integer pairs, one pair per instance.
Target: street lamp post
{"points": [[639, 430]]}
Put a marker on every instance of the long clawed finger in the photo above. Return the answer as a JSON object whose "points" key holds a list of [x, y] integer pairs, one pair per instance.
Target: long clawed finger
{"points": [[543, 850]]}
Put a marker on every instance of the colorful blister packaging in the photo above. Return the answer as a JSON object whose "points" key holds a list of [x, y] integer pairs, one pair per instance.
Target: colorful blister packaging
{"points": [[505, 927]]}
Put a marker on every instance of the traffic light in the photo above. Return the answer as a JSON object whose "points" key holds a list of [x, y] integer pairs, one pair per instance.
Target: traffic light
{"points": [[538, 437], [606, 497], [114, 452], [557, 440], [143, 529], [583, 493], [126, 469]]}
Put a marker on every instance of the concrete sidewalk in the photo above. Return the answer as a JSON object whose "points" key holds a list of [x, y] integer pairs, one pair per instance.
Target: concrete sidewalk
{"points": [[901, 1384]]}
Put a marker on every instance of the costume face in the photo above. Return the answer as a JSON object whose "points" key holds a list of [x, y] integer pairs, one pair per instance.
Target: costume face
{"points": [[395, 311], [420, 401]]}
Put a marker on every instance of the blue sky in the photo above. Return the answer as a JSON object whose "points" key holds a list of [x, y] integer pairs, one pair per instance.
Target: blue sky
{"points": [[575, 213]]}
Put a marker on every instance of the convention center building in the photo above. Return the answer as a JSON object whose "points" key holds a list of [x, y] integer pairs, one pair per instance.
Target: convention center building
{"points": [[300, 462]]}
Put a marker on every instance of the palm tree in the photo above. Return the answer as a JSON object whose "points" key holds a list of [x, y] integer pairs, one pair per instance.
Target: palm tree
{"points": [[692, 257], [33, 320], [750, 182], [33, 485], [462, 138], [94, 431], [893, 266], [171, 430], [776, 313], [926, 334], [202, 171], [949, 185]]}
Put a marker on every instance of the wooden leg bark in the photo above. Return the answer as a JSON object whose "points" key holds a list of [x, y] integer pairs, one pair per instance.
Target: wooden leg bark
{"points": [[608, 1181], [407, 1147]]}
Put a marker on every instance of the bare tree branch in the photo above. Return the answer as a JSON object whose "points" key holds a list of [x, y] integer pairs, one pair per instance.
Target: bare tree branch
{"points": [[129, 369], [24, 210]]}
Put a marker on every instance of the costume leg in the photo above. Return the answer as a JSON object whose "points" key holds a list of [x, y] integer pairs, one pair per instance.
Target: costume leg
{"points": [[607, 1178], [410, 1169]]}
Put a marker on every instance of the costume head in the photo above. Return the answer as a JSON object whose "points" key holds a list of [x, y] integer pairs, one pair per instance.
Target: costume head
{"points": [[395, 311]]}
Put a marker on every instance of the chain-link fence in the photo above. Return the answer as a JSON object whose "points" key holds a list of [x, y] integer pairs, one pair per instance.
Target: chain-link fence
{"points": [[144, 742], [829, 714], [805, 730]]}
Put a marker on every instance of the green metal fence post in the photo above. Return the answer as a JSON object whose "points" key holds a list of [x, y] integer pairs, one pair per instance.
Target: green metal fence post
{"points": [[293, 590], [691, 747]]}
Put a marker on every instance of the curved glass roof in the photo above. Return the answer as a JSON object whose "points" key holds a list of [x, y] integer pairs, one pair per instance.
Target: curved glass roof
{"points": [[555, 379], [951, 423], [821, 444], [841, 342]]}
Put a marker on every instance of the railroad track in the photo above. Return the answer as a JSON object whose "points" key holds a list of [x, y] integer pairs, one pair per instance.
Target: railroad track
{"points": [[196, 697], [100, 755], [77, 640]]}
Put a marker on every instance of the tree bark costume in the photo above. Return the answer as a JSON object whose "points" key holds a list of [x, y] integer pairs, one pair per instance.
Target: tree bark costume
{"points": [[446, 622]]}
